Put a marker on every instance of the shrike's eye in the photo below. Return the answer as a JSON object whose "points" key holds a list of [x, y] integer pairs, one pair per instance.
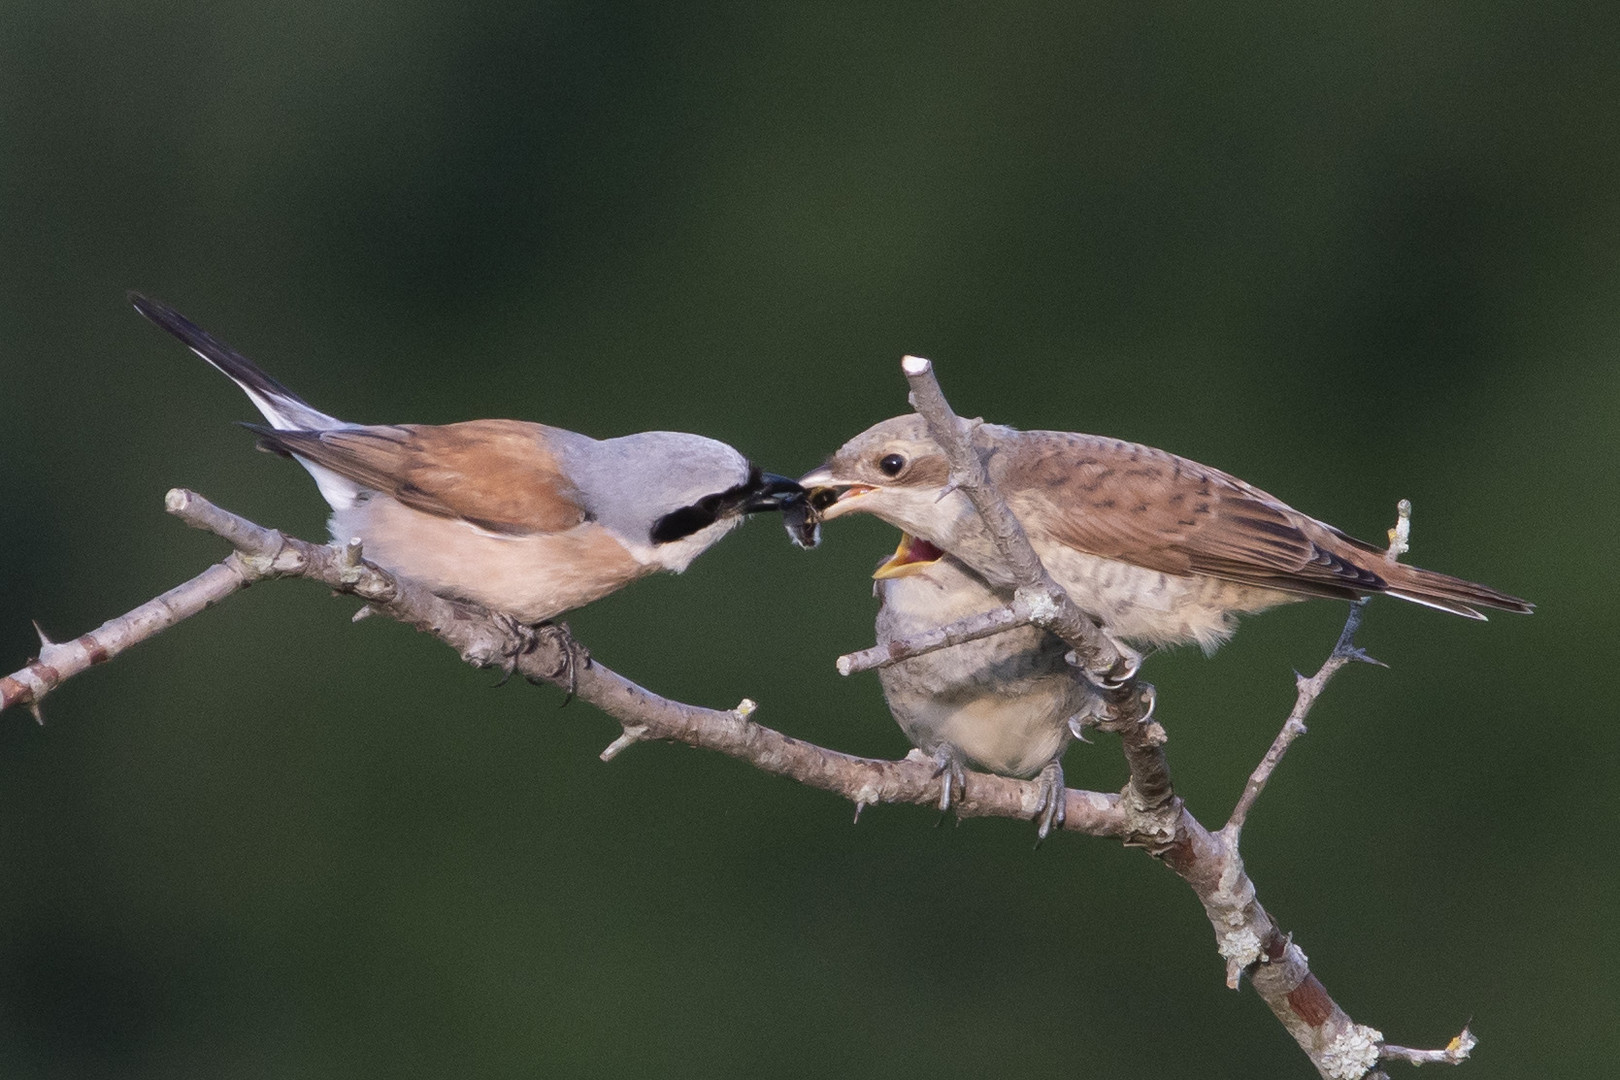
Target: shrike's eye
{"points": [[891, 464]]}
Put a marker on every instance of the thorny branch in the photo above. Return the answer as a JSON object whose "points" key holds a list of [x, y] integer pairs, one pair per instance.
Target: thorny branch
{"points": [[1344, 652], [487, 640], [1146, 814]]}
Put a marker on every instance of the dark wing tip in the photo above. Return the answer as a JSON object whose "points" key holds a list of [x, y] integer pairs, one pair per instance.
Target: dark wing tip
{"points": [[272, 440]]}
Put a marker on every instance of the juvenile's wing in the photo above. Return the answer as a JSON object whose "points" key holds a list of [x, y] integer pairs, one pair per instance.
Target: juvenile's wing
{"points": [[1153, 509]]}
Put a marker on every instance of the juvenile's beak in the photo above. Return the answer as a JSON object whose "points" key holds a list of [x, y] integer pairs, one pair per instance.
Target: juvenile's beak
{"points": [[912, 556], [830, 495]]}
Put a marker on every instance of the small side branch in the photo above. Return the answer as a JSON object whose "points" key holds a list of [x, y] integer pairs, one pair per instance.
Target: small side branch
{"points": [[1344, 652], [1455, 1052], [1308, 690], [985, 625]]}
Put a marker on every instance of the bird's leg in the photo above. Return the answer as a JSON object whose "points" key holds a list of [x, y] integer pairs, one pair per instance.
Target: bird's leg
{"points": [[1054, 801], [949, 767]]}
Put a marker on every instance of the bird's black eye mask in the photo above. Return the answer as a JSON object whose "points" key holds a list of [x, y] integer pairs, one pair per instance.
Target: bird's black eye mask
{"points": [[762, 491]]}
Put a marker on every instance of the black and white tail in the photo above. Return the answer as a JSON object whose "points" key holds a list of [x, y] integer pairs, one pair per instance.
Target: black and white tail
{"points": [[285, 410]]}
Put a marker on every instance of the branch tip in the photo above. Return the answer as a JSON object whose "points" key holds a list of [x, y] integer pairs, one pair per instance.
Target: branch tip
{"points": [[633, 733], [1456, 1051], [972, 628], [1307, 690], [1400, 536], [745, 708], [914, 365]]}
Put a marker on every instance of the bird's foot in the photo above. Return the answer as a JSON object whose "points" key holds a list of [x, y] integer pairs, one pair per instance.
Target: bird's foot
{"points": [[573, 657], [521, 640], [948, 766], [1054, 801], [1124, 669]]}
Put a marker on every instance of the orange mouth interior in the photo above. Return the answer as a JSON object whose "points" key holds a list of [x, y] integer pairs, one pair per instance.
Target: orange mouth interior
{"points": [[913, 554]]}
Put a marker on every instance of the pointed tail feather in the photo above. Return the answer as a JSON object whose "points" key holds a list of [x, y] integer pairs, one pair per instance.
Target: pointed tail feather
{"points": [[1433, 589], [283, 408]]}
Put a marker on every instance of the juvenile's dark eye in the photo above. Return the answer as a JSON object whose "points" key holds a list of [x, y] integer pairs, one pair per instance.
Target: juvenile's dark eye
{"points": [[892, 464]]}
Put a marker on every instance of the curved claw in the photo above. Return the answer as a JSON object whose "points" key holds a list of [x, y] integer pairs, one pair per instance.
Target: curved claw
{"points": [[1130, 662], [1054, 801], [948, 765], [1151, 695]]}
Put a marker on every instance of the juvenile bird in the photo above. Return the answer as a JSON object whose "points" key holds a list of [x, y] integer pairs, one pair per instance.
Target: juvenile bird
{"points": [[1003, 703], [1161, 550], [528, 520]]}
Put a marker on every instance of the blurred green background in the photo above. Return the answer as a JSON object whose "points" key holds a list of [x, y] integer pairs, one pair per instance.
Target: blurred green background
{"points": [[1350, 252]]}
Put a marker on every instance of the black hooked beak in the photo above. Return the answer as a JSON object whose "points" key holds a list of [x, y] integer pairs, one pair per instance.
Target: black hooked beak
{"points": [[772, 492]]}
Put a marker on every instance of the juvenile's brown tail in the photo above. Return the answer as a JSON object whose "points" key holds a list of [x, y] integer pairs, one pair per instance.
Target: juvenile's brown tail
{"points": [[1433, 589]]}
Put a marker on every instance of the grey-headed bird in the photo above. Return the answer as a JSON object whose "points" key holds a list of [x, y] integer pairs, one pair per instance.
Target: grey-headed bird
{"points": [[1009, 703], [525, 519], [1161, 550]]}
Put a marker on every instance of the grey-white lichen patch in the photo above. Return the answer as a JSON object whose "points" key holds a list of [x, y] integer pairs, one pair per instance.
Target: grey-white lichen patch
{"points": [[1240, 947], [1039, 603], [1353, 1053]]}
